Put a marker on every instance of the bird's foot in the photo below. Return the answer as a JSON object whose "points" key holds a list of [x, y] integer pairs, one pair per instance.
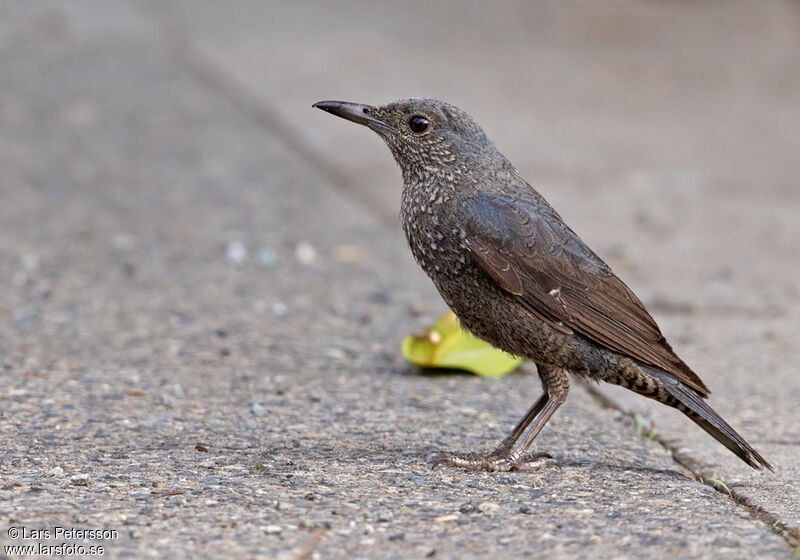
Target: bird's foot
{"points": [[498, 460], [473, 461]]}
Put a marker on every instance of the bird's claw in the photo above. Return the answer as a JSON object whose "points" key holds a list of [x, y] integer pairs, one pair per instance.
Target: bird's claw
{"points": [[536, 461]]}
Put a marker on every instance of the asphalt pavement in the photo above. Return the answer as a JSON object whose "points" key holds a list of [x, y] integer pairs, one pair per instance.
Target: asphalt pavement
{"points": [[205, 286]]}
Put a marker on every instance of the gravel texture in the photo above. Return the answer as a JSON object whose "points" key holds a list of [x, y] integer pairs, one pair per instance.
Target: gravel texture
{"points": [[200, 319]]}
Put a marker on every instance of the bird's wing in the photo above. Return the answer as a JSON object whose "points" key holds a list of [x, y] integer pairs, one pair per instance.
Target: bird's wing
{"points": [[528, 250]]}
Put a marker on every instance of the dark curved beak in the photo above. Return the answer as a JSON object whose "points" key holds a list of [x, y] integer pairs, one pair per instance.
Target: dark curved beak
{"points": [[356, 112]]}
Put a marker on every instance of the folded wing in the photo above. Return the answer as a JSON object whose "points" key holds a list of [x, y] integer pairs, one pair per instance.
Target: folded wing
{"points": [[528, 250]]}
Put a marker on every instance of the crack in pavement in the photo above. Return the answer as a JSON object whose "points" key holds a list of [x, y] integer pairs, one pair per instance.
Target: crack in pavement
{"points": [[790, 534]]}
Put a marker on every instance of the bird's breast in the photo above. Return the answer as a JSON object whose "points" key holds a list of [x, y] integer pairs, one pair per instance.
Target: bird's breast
{"points": [[434, 235]]}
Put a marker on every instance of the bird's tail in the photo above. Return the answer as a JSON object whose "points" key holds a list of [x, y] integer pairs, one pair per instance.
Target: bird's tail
{"points": [[693, 405]]}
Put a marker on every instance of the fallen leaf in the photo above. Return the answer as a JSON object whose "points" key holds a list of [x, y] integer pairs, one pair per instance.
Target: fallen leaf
{"points": [[447, 345]]}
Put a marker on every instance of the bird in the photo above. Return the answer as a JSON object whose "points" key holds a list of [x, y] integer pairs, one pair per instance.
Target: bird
{"points": [[517, 276]]}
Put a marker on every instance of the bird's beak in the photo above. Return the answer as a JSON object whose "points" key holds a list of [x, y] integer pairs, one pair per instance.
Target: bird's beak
{"points": [[356, 112]]}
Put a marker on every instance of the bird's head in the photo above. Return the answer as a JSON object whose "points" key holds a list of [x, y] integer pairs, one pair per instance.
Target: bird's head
{"points": [[424, 135]]}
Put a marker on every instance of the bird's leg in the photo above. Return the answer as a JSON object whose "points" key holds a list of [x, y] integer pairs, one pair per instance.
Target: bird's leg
{"points": [[521, 426], [495, 459], [506, 456], [556, 384]]}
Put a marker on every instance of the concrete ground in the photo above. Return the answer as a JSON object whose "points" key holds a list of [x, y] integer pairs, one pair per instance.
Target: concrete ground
{"points": [[204, 284]]}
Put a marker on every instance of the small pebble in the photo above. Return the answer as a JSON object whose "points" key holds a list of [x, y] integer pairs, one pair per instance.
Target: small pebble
{"points": [[79, 479], [55, 472], [488, 507], [418, 309], [305, 253], [257, 408], [279, 309], [236, 252], [267, 257], [273, 529], [336, 354], [385, 516], [466, 508]]}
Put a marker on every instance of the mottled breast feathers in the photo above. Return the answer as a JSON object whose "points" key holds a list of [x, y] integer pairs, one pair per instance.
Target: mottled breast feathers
{"points": [[524, 246]]}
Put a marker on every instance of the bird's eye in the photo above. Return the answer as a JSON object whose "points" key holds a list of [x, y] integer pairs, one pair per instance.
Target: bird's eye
{"points": [[418, 124]]}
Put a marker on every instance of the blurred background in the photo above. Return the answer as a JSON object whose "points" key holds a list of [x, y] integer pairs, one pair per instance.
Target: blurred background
{"points": [[675, 120], [190, 253], [666, 133]]}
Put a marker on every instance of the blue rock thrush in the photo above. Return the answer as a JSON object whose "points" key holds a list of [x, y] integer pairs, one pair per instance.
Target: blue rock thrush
{"points": [[518, 277]]}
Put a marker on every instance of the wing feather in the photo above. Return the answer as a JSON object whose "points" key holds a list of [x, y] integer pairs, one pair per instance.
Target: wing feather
{"points": [[526, 248]]}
